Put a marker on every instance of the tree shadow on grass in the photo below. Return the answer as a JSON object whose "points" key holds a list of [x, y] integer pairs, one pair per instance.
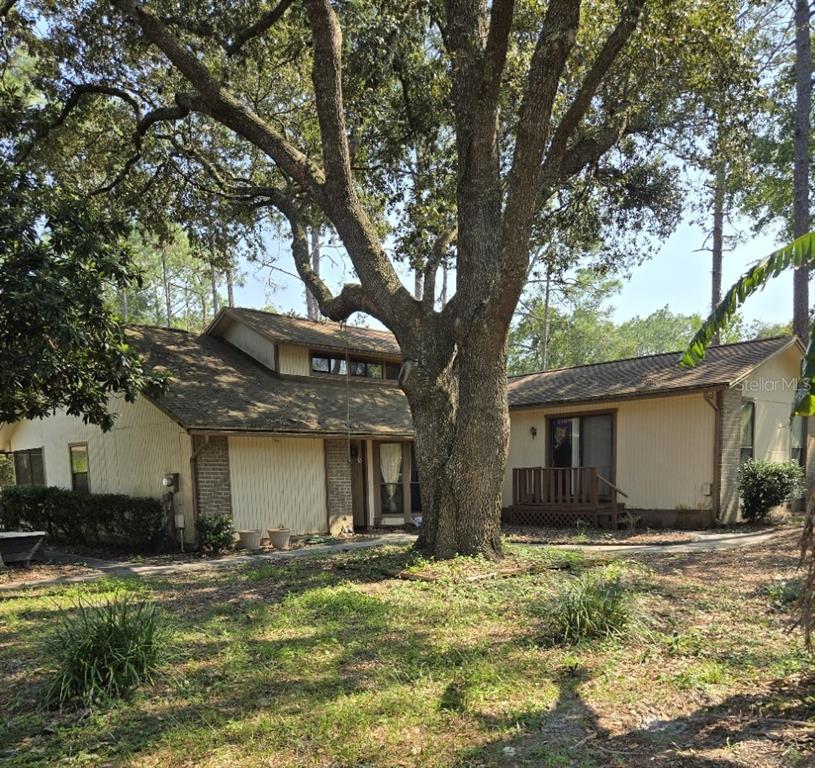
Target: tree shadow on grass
{"points": [[775, 727]]}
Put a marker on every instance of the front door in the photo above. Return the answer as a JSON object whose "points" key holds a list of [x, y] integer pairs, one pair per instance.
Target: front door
{"points": [[358, 495], [583, 441]]}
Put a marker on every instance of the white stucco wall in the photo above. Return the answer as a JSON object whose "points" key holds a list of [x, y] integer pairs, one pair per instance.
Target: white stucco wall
{"points": [[664, 449], [143, 446]]}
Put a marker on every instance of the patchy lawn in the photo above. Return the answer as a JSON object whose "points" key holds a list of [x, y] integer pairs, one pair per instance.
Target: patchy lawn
{"points": [[335, 663]]}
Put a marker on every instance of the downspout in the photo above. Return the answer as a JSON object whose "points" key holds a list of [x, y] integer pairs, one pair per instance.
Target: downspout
{"points": [[714, 400]]}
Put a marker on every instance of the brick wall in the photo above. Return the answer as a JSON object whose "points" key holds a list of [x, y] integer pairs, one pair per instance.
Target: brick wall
{"points": [[338, 486], [731, 455], [213, 491]]}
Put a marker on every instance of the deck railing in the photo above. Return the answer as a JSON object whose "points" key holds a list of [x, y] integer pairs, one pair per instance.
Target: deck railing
{"points": [[578, 488]]}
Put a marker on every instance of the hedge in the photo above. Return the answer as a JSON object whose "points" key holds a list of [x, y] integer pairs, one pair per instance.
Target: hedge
{"points": [[106, 519], [766, 484]]}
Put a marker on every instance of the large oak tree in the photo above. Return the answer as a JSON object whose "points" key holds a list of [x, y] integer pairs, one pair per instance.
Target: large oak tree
{"points": [[443, 131]]}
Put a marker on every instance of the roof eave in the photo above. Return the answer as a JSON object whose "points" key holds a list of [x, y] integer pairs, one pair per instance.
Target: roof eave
{"points": [[651, 395], [793, 341]]}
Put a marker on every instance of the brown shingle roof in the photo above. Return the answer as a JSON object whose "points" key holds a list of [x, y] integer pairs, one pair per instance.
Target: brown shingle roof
{"points": [[322, 335], [217, 387], [642, 376]]}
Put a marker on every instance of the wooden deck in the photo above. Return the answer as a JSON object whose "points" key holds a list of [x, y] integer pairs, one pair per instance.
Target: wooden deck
{"points": [[560, 496]]}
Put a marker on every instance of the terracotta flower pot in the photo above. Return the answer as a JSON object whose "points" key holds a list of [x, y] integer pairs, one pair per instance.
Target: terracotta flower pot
{"points": [[279, 537], [250, 539]]}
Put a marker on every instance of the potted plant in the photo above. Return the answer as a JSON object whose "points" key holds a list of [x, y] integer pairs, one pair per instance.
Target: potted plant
{"points": [[280, 537], [250, 539]]}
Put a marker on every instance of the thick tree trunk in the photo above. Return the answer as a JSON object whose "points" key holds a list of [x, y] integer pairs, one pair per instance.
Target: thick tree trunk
{"points": [[718, 242], [460, 452], [803, 106]]}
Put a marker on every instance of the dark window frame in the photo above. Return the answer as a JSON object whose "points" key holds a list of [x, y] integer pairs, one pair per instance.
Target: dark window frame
{"points": [[83, 486], [744, 449], [374, 368], [610, 412], [27, 453]]}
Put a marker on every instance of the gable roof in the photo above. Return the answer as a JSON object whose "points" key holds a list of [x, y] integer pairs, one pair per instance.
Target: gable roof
{"points": [[217, 387], [722, 366], [320, 335]]}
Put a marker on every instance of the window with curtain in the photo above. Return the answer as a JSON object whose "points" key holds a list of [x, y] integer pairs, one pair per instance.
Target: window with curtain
{"points": [[390, 480], [79, 467], [29, 468], [748, 416]]}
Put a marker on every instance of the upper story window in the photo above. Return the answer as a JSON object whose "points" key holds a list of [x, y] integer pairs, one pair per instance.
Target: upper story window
{"points": [[361, 367], [29, 468]]}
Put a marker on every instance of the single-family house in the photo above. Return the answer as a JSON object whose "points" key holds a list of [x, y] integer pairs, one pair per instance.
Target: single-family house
{"points": [[277, 420]]}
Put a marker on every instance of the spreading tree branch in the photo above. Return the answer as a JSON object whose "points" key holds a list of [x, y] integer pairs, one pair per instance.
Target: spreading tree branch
{"points": [[605, 60], [262, 25], [554, 44], [336, 195]]}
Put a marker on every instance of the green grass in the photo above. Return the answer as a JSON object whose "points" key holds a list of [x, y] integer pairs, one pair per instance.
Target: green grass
{"points": [[333, 662]]}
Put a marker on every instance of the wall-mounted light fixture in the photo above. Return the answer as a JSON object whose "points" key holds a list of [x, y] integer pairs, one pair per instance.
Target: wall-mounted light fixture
{"points": [[533, 430]]}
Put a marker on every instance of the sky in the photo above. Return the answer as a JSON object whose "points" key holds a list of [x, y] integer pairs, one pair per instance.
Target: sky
{"points": [[678, 274]]}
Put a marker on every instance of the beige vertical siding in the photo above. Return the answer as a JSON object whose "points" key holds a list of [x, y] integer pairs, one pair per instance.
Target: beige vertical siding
{"points": [[664, 449], [250, 341], [278, 481], [294, 360], [772, 388], [143, 446]]}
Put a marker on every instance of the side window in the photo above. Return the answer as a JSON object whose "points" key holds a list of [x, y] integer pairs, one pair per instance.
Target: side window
{"points": [[79, 467], [29, 468], [748, 416]]}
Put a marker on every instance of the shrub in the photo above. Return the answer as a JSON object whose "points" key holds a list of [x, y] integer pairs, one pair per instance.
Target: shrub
{"points": [[6, 470], [765, 484], [79, 518], [104, 652], [215, 532], [593, 605]]}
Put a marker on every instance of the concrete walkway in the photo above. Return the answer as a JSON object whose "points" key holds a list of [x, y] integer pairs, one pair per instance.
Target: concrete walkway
{"points": [[704, 541], [104, 568]]}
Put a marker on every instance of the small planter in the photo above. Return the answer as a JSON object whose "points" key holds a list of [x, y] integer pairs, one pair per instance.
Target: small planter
{"points": [[250, 539], [280, 537]]}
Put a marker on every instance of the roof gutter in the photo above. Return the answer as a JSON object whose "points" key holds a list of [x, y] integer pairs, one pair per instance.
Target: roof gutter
{"points": [[215, 431]]}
